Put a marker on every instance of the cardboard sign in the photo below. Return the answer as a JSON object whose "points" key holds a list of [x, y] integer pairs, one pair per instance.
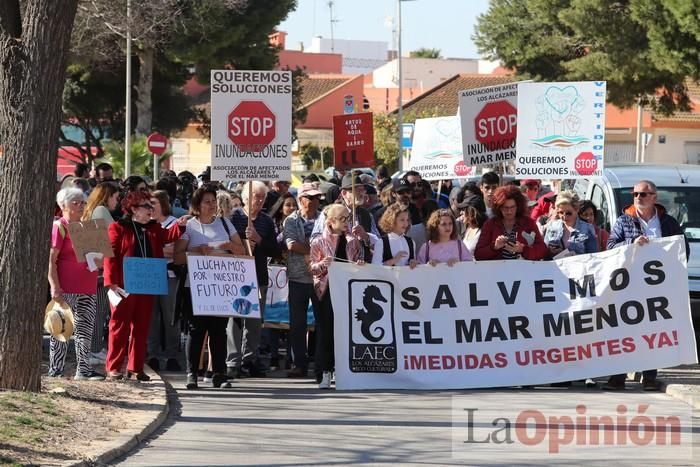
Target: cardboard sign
{"points": [[223, 285], [146, 276], [251, 125], [353, 141], [277, 303], [90, 237], [561, 130]]}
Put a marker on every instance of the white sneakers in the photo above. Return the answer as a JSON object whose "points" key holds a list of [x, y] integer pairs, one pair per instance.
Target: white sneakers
{"points": [[325, 381]]}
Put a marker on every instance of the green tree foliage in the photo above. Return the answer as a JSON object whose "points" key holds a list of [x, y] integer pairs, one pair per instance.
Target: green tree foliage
{"points": [[311, 156], [424, 52], [141, 158], [644, 49], [386, 135]]}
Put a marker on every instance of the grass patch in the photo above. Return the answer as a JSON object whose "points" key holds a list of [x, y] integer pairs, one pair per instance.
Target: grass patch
{"points": [[8, 461]]}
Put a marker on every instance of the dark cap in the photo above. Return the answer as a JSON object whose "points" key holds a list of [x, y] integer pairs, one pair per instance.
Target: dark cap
{"points": [[312, 177], [402, 185], [370, 190], [346, 184], [477, 202]]}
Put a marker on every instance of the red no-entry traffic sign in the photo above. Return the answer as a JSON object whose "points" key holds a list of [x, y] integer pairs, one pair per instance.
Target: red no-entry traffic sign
{"points": [[157, 143]]}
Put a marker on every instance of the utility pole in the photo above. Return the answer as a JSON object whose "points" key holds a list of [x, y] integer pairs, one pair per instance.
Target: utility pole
{"points": [[333, 20], [127, 125], [400, 94]]}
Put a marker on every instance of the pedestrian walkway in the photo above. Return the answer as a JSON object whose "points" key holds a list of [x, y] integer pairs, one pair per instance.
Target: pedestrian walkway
{"points": [[277, 421]]}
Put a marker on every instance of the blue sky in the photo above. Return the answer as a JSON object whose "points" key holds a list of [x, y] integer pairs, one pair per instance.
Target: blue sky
{"points": [[443, 24]]}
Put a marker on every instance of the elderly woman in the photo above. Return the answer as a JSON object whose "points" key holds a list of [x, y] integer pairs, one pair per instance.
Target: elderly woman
{"points": [[510, 234], [205, 234], [568, 231], [334, 244], [134, 235], [73, 283]]}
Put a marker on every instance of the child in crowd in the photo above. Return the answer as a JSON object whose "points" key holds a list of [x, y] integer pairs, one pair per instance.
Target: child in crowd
{"points": [[444, 245], [396, 222]]}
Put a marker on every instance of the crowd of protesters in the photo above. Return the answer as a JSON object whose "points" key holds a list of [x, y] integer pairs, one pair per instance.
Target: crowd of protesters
{"points": [[358, 218]]}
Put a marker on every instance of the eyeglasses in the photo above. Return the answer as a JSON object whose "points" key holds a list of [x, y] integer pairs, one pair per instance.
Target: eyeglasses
{"points": [[146, 206], [343, 218], [78, 203], [642, 194], [566, 213]]}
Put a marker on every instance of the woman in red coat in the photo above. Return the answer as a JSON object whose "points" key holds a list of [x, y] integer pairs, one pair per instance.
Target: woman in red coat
{"points": [[134, 235], [511, 234]]}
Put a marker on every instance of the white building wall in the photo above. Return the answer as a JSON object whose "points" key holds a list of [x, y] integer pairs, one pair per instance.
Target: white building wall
{"points": [[678, 146], [422, 73], [359, 57]]}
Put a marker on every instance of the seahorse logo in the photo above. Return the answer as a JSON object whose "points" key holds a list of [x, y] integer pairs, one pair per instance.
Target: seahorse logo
{"points": [[371, 313]]}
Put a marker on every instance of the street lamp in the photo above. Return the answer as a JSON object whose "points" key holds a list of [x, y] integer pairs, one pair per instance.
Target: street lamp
{"points": [[400, 89]]}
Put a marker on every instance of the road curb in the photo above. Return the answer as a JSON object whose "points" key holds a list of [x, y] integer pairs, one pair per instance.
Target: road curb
{"points": [[130, 440], [683, 392]]}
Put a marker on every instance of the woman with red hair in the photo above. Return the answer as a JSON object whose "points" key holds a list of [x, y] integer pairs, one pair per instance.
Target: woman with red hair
{"points": [[510, 234], [133, 235]]}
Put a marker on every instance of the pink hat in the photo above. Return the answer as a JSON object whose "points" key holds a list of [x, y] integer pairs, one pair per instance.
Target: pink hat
{"points": [[308, 189]]}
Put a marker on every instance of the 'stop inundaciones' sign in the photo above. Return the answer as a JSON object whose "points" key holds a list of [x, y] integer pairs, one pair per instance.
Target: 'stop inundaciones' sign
{"points": [[251, 125]]}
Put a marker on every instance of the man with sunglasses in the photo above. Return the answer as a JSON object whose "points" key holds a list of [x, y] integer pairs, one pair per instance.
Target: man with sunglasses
{"points": [[640, 222]]}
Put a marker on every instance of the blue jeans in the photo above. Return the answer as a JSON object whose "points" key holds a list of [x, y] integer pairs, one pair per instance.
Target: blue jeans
{"points": [[299, 295]]}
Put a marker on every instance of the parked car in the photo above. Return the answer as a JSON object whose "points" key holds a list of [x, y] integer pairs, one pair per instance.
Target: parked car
{"points": [[678, 190]]}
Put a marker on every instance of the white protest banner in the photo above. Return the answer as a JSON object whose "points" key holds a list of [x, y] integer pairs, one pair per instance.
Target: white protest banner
{"points": [[251, 125], [437, 149], [489, 118], [506, 323], [561, 130], [223, 285]]}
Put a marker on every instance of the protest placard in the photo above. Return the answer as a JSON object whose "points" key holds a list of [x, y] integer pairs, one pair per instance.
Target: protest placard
{"points": [[277, 300], [437, 149], [353, 141], [251, 125], [147, 276], [489, 118], [90, 237], [223, 285], [488, 324], [561, 130]]}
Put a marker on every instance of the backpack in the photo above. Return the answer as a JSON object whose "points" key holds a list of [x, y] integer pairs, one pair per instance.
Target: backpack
{"points": [[386, 253]]}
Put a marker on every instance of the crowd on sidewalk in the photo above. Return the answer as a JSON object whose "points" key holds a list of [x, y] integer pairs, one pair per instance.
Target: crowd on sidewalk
{"points": [[358, 218]]}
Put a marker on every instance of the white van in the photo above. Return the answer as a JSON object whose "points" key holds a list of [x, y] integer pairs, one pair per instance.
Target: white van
{"points": [[678, 191]]}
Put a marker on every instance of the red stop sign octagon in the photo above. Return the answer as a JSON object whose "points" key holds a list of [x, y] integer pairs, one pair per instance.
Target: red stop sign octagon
{"points": [[497, 121], [585, 163], [251, 125]]}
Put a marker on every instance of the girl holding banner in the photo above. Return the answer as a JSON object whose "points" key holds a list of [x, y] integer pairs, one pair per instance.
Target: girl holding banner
{"points": [[135, 235]]}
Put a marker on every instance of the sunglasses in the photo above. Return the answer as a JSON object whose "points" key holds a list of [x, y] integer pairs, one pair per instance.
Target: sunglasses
{"points": [[146, 206], [642, 194]]}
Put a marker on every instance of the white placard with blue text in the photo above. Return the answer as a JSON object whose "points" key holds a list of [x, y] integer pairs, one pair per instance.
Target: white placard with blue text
{"points": [[223, 285], [561, 130]]}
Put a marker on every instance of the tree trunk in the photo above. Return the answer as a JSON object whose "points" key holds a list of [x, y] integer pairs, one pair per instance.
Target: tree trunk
{"points": [[144, 107], [33, 51]]}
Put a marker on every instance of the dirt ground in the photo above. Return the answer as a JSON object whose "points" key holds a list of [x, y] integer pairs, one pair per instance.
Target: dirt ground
{"points": [[68, 419]]}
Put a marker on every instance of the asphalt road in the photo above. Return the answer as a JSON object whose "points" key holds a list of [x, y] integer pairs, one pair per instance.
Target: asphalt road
{"points": [[277, 421]]}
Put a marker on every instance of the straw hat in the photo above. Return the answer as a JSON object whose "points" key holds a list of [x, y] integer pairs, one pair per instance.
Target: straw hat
{"points": [[58, 320]]}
